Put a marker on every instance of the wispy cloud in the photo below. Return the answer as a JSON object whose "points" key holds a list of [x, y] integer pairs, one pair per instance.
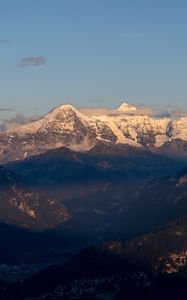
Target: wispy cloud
{"points": [[5, 109], [166, 111], [16, 121], [33, 61]]}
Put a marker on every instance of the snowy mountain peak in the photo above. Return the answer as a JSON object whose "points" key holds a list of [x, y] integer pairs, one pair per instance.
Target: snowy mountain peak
{"points": [[63, 111], [66, 106], [125, 107]]}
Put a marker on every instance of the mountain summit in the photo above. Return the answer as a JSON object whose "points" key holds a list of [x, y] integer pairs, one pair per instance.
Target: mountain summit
{"points": [[125, 107]]}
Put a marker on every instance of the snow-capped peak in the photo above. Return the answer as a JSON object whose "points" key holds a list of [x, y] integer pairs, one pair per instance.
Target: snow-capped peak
{"points": [[66, 106], [65, 110], [125, 107], [62, 108]]}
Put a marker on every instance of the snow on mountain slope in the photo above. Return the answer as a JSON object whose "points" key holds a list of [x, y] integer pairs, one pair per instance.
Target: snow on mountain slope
{"points": [[113, 125], [67, 126], [125, 107], [142, 129]]}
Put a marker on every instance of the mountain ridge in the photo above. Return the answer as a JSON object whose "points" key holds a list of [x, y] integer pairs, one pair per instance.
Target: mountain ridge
{"points": [[69, 127], [108, 182]]}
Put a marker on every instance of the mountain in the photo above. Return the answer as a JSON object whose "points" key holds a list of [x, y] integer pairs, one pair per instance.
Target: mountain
{"points": [[69, 127], [94, 178], [161, 199], [103, 161], [25, 206], [21, 247], [101, 188], [163, 250], [153, 203], [152, 265], [125, 107]]}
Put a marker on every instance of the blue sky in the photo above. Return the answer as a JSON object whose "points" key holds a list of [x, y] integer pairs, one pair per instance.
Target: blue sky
{"points": [[92, 53]]}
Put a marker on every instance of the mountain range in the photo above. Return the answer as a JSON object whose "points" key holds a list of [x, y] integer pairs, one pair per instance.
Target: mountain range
{"points": [[102, 182], [79, 130], [101, 189], [105, 190]]}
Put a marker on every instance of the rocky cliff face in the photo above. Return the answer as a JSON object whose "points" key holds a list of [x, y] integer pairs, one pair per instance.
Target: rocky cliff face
{"points": [[25, 206]]}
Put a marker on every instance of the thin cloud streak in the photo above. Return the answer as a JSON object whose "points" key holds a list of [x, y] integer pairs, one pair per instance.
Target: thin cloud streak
{"points": [[6, 109], [16, 121], [33, 61]]}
